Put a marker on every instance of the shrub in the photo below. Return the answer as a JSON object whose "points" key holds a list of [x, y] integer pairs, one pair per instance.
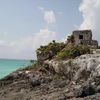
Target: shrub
{"points": [[98, 47], [63, 54], [72, 40], [50, 50], [73, 51]]}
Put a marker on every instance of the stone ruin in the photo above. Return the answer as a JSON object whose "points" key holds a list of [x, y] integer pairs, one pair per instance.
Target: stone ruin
{"points": [[84, 37]]}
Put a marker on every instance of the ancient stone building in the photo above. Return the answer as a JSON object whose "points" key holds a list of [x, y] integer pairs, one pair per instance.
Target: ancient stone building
{"points": [[84, 37]]}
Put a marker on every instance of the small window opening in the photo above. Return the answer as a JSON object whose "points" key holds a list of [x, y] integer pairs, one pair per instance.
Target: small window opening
{"points": [[80, 36]]}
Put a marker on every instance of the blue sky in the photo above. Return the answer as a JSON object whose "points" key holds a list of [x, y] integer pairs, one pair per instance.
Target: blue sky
{"points": [[27, 24]]}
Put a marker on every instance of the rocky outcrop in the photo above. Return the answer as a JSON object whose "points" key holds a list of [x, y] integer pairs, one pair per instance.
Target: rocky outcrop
{"points": [[88, 65], [83, 71], [49, 51], [44, 56], [73, 79], [35, 82], [85, 90]]}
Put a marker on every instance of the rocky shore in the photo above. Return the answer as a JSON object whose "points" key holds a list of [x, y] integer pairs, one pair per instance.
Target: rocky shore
{"points": [[73, 79]]}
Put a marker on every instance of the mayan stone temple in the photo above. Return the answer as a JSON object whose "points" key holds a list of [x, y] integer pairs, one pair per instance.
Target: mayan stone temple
{"points": [[84, 37]]}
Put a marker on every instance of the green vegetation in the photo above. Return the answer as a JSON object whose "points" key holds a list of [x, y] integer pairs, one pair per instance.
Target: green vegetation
{"points": [[98, 47], [53, 46], [70, 63], [61, 51], [71, 39], [50, 50], [34, 65], [72, 52]]}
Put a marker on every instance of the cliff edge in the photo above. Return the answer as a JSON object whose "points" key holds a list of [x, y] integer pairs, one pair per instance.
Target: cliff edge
{"points": [[62, 72]]}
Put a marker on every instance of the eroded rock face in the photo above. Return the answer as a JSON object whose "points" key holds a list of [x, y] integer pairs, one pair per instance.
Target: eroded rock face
{"points": [[45, 56], [82, 70], [84, 66], [85, 90], [74, 79]]}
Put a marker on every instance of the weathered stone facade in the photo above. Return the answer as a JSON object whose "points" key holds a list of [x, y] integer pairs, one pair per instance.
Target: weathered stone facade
{"points": [[84, 37]]}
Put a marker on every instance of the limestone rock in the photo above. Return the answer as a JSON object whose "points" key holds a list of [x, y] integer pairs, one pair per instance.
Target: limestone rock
{"points": [[35, 81], [85, 90]]}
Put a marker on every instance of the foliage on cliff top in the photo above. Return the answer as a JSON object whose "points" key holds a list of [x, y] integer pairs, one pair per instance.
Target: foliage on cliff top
{"points": [[51, 49], [61, 51], [71, 39], [72, 51], [54, 46]]}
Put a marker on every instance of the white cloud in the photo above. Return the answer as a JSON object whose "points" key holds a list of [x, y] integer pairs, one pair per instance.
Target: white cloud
{"points": [[43, 37], [49, 15], [90, 10], [25, 47], [31, 43], [40, 8]]}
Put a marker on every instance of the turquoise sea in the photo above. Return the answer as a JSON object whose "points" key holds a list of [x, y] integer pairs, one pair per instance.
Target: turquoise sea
{"points": [[7, 66]]}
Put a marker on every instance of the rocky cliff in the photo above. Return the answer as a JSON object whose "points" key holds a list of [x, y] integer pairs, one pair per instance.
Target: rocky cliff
{"points": [[61, 73], [73, 79]]}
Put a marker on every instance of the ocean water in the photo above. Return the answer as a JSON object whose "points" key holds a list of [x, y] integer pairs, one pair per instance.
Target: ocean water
{"points": [[7, 66]]}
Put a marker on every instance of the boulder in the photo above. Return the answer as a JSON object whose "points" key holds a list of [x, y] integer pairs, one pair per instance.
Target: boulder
{"points": [[85, 90], [35, 81]]}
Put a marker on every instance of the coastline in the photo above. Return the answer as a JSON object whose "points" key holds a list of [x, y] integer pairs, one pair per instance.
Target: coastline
{"points": [[47, 81], [7, 66]]}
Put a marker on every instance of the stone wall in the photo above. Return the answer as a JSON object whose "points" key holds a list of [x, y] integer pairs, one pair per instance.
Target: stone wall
{"points": [[84, 37], [94, 43], [80, 35]]}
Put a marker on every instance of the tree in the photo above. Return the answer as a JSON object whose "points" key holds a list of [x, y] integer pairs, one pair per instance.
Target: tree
{"points": [[72, 39]]}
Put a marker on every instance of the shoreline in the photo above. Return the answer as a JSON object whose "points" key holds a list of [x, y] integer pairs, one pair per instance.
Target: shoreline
{"points": [[9, 66], [47, 81]]}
